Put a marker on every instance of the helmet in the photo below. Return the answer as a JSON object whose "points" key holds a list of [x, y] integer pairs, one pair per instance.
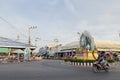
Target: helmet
{"points": [[103, 52]]}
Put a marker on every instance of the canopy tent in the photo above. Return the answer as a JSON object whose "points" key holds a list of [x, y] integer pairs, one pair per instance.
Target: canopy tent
{"points": [[18, 51]]}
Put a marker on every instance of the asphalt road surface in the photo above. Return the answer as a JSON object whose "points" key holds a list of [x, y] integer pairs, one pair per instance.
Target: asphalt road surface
{"points": [[53, 70]]}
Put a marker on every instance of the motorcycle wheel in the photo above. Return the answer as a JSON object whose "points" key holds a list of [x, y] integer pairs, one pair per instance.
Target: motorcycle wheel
{"points": [[95, 69], [107, 69]]}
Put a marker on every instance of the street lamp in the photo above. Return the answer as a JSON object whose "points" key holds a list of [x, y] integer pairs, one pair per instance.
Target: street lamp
{"points": [[79, 38], [29, 30], [119, 34], [56, 42], [36, 39]]}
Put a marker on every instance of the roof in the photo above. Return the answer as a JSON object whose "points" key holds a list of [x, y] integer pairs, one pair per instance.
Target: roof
{"points": [[6, 42], [111, 45], [74, 44]]}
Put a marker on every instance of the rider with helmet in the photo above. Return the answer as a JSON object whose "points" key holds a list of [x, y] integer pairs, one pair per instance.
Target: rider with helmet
{"points": [[101, 60]]}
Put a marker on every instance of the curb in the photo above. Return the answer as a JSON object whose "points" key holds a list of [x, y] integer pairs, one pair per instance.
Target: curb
{"points": [[88, 64], [80, 64]]}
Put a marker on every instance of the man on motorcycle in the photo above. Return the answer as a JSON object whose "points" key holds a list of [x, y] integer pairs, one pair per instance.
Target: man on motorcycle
{"points": [[101, 60], [101, 63]]}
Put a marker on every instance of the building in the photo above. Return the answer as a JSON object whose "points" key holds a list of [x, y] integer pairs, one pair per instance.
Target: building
{"points": [[100, 45], [87, 45], [8, 45]]}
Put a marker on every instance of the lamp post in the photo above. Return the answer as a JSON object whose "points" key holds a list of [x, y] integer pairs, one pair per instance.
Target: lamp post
{"points": [[56, 41], [79, 38], [36, 40], [119, 34]]}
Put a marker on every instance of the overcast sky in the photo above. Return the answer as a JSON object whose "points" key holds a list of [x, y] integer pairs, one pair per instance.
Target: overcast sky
{"points": [[60, 19]]}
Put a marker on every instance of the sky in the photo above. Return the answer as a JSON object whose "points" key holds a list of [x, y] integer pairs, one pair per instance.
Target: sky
{"points": [[59, 19]]}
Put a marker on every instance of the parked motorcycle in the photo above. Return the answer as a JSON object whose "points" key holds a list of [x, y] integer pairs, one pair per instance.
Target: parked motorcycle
{"points": [[98, 68]]}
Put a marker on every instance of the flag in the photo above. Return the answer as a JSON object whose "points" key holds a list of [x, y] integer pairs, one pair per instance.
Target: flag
{"points": [[81, 54], [111, 54], [66, 54], [72, 53]]}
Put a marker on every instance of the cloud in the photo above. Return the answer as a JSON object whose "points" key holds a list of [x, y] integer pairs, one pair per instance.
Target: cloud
{"points": [[109, 19], [101, 19], [52, 2], [70, 6], [103, 27]]}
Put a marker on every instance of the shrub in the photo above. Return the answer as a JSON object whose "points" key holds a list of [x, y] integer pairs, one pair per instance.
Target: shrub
{"points": [[78, 60], [82, 61], [66, 59], [89, 61], [111, 60]]}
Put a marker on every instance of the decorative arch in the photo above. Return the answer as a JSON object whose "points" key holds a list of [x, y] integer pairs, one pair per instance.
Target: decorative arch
{"points": [[87, 43]]}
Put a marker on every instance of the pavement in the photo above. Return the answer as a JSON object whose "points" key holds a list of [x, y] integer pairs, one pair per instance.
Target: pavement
{"points": [[53, 70]]}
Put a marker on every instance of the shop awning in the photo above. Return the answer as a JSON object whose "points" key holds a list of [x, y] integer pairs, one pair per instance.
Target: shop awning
{"points": [[4, 50]]}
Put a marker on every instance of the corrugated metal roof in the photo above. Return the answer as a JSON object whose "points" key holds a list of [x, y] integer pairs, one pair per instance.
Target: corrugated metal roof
{"points": [[3, 39], [5, 42]]}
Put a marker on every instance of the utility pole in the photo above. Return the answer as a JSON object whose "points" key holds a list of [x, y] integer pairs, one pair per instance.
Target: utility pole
{"points": [[29, 40], [29, 31]]}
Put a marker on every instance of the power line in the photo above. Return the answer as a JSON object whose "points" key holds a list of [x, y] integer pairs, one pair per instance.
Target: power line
{"points": [[11, 25], [7, 22]]}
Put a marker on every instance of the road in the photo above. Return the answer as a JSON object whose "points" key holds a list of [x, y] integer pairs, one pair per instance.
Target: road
{"points": [[53, 70]]}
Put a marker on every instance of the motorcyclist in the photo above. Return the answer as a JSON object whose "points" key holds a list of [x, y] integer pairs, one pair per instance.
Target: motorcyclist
{"points": [[115, 57], [101, 60]]}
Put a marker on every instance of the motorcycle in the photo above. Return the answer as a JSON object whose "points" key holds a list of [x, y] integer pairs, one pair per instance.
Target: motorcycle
{"points": [[98, 67]]}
